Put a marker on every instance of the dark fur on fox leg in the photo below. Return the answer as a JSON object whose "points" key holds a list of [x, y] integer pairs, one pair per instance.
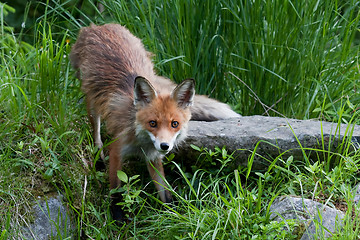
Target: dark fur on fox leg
{"points": [[100, 164], [116, 210]]}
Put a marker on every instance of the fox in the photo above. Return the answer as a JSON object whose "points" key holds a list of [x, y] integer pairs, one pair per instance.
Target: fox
{"points": [[146, 115]]}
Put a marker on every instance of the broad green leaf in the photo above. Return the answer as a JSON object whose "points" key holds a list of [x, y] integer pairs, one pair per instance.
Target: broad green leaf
{"points": [[122, 176]]}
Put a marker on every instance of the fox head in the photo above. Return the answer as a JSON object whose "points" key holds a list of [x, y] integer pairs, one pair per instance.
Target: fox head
{"points": [[163, 118]]}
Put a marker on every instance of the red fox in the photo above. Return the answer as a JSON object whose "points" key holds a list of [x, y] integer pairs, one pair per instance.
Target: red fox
{"points": [[147, 115]]}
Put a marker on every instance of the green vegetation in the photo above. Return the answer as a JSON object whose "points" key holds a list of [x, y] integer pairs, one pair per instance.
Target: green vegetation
{"points": [[300, 58]]}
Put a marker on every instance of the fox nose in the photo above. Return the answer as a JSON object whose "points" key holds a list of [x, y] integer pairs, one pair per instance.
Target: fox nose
{"points": [[164, 146]]}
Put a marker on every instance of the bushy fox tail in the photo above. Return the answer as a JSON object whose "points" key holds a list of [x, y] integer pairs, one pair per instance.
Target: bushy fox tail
{"points": [[207, 109]]}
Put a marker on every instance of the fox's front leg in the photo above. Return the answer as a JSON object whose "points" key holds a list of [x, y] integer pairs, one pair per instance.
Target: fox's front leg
{"points": [[115, 165], [158, 178]]}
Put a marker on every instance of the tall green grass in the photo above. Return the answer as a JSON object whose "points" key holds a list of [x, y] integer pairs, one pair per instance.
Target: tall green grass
{"points": [[39, 106], [292, 54], [274, 57]]}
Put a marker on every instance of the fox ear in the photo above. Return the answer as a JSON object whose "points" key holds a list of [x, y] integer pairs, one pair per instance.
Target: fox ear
{"points": [[144, 92], [184, 93]]}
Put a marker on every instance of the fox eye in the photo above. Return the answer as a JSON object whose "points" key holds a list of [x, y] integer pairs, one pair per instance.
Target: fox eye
{"points": [[153, 123], [174, 124]]}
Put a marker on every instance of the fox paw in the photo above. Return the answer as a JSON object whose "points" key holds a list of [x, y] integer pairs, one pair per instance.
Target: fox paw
{"points": [[118, 214]]}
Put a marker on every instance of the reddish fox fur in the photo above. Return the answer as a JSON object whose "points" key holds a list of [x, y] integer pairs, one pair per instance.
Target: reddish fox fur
{"points": [[147, 115]]}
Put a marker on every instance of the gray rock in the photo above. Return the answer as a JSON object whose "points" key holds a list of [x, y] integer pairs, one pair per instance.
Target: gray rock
{"points": [[315, 219], [51, 220], [357, 194], [269, 136]]}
